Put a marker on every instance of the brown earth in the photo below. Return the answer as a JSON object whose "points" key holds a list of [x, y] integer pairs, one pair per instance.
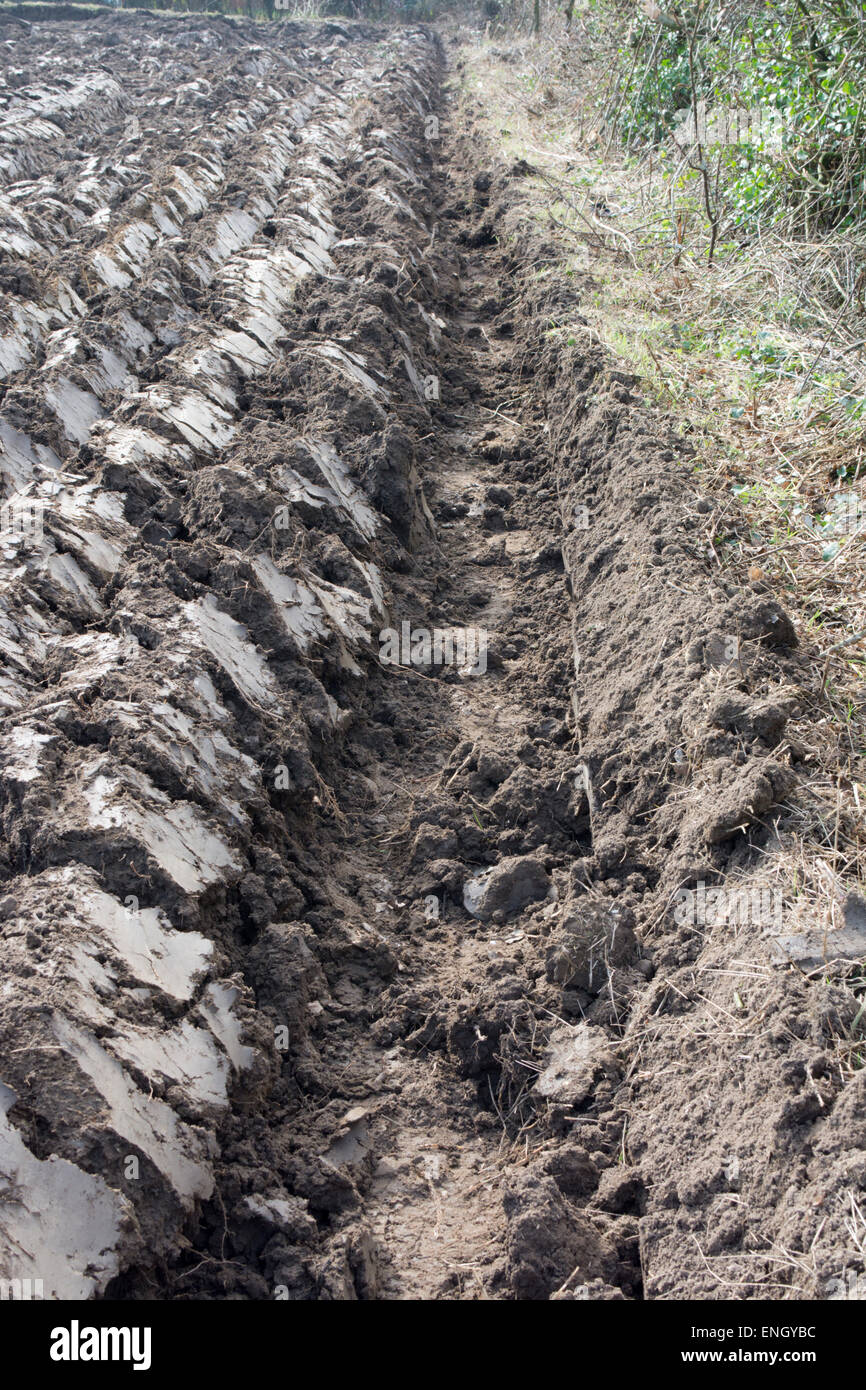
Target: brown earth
{"points": [[285, 369]]}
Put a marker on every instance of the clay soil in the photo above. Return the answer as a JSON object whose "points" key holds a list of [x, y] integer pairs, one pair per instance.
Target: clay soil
{"points": [[325, 977]]}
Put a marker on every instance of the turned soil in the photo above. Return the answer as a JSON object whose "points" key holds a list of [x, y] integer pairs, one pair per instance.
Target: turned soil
{"points": [[566, 1092]]}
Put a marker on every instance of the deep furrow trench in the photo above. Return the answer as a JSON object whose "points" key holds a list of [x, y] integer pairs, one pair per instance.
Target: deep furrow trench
{"points": [[366, 700]]}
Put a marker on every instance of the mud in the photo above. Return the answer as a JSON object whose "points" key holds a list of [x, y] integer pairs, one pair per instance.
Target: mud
{"points": [[327, 976]]}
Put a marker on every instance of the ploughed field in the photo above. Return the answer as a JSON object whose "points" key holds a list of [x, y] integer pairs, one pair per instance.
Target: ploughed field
{"points": [[368, 702], [167, 188]]}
